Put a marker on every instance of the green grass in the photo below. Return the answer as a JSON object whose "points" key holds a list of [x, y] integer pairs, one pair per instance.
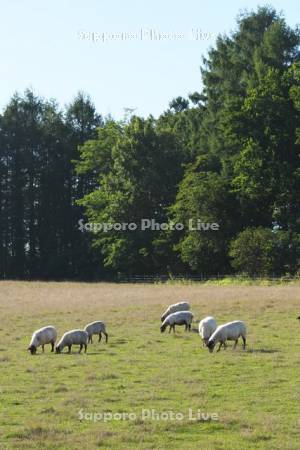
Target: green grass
{"points": [[254, 393], [238, 281]]}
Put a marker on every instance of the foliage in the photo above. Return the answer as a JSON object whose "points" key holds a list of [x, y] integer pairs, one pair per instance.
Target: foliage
{"points": [[266, 252]]}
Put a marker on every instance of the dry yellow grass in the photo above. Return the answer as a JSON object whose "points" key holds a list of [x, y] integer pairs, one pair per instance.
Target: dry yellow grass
{"points": [[27, 297]]}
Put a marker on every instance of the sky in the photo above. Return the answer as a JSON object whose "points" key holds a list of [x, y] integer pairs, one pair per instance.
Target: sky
{"points": [[135, 54]]}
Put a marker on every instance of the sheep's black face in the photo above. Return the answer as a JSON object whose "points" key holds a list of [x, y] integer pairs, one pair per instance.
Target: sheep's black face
{"points": [[162, 328], [298, 318], [32, 349], [211, 346]]}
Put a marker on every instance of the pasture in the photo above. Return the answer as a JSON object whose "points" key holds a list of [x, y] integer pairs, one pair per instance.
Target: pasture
{"points": [[51, 401]]}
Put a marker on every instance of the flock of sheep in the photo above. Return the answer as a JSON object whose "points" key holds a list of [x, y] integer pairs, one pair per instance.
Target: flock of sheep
{"points": [[177, 314], [211, 334], [48, 335]]}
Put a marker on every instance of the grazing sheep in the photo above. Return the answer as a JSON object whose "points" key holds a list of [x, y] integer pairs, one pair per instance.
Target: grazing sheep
{"points": [[96, 328], [181, 306], [230, 331], [178, 318], [73, 337], [43, 336], [207, 326]]}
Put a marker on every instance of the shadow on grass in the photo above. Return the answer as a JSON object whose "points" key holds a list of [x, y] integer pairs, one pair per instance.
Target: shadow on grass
{"points": [[94, 353], [121, 341], [262, 350], [80, 354]]}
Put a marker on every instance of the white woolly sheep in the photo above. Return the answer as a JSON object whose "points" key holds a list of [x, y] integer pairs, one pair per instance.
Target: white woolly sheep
{"points": [[73, 337], [181, 306], [43, 336], [206, 328], [97, 327], [178, 318], [230, 331]]}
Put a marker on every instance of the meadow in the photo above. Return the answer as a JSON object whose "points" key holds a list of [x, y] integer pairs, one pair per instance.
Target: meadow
{"points": [[51, 401]]}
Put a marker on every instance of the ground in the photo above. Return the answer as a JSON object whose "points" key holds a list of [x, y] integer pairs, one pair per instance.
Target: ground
{"points": [[245, 399]]}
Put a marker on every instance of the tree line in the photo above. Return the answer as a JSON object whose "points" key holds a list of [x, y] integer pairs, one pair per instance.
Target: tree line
{"points": [[227, 155]]}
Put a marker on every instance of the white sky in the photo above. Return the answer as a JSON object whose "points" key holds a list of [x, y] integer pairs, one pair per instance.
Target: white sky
{"points": [[40, 47]]}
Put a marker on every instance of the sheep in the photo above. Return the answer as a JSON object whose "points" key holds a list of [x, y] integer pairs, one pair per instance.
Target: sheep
{"points": [[96, 328], [43, 336], [73, 337], [230, 331], [181, 306], [178, 318], [206, 328]]}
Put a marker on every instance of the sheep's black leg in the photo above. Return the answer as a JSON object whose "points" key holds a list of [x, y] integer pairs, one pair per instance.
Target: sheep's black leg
{"points": [[189, 327], [69, 347], [220, 346], [244, 342], [52, 346], [106, 337], [85, 347], [91, 339], [100, 336], [81, 347], [43, 348], [170, 327], [235, 344], [173, 327]]}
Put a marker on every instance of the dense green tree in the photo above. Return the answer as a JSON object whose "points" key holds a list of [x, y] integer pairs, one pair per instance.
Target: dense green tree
{"points": [[237, 62], [141, 184], [20, 146], [38, 231], [248, 134], [261, 251], [204, 195], [82, 122]]}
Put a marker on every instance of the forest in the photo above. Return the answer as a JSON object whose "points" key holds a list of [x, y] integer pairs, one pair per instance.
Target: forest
{"points": [[227, 154]]}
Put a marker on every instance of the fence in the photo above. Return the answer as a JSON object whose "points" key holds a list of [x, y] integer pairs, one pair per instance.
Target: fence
{"points": [[200, 278]]}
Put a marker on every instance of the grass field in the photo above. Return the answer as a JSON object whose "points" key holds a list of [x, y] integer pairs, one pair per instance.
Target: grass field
{"points": [[255, 394]]}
